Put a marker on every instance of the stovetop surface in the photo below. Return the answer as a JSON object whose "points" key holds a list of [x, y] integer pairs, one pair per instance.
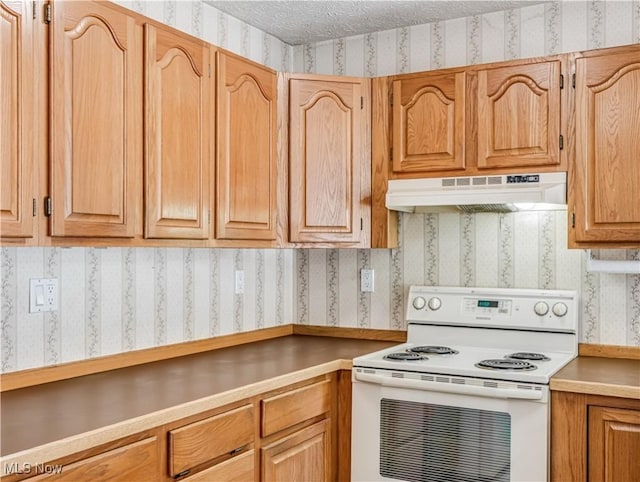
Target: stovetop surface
{"points": [[463, 363]]}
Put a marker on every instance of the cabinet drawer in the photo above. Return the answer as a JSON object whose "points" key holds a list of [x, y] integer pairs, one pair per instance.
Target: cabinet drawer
{"points": [[137, 461], [207, 439], [290, 408], [237, 469]]}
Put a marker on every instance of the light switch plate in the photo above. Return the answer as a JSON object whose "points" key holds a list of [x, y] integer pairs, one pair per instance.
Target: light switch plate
{"points": [[43, 295], [239, 282], [367, 280]]}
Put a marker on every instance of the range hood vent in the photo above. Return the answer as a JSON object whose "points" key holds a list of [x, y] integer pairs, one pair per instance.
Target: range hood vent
{"points": [[473, 194]]}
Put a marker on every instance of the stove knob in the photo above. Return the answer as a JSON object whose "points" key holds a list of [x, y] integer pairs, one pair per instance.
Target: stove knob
{"points": [[435, 303], [419, 302], [560, 309], [541, 308]]}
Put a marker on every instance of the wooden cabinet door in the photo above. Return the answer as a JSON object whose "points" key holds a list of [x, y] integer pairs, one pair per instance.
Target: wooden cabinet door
{"points": [[328, 159], [429, 122], [614, 445], [178, 129], [16, 119], [139, 461], [606, 180], [96, 120], [246, 146], [519, 115], [304, 456]]}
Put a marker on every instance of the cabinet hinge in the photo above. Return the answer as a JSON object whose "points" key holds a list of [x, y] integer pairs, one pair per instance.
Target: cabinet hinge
{"points": [[561, 81], [573, 81], [34, 204], [573, 219], [47, 206], [362, 102], [391, 154], [33, 10], [209, 217], [561, 142], [209, 70], [361, 224], [182, 474], [47, 13]]}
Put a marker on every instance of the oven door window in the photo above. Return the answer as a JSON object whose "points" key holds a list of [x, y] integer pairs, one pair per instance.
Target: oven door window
{"points": [[422, 442]]}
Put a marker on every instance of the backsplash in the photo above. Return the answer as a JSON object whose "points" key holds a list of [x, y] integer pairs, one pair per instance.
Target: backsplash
{"points": [[115, 300], [515, 250]]}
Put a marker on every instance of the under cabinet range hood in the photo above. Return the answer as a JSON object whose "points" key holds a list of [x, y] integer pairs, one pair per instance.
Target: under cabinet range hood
{"points": [[492, 193]]}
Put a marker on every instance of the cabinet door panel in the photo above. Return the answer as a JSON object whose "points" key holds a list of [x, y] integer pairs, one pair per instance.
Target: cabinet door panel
{"points": [[326, 158], [519, 115], [607, 178], [303, 456], [16, 119], [246, 123], [614, 444], [177, 131], [96, 60], [138, 461], [429, 123]]}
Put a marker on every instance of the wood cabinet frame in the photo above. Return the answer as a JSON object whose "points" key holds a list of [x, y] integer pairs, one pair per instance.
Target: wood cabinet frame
{"points": [[570, 432]]}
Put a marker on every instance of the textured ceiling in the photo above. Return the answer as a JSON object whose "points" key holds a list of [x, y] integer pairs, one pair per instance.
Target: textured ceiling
{"points": [[306, 21]]}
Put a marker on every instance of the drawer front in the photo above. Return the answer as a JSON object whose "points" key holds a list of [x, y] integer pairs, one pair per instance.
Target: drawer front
{"points": [[237, 469], [207, 439], [290, 408], [138, 461]]}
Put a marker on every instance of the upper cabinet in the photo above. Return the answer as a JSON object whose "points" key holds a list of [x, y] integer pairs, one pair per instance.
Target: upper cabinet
{"points": [[17, 196], [246, 150], [519, 115], [329, 163], [484, 119], [179, 110], [429, 120], [604, 190], [96, 120]]}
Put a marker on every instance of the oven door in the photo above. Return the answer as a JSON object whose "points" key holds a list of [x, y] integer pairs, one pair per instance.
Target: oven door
{"points": [[429, 428]]}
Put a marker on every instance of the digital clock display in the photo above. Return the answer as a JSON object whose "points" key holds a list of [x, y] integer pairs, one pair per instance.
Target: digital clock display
{"points": [[487, 304]]}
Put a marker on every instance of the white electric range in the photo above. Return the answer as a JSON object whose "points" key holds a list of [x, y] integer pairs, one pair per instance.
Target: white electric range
{"points": [[467, 397]]}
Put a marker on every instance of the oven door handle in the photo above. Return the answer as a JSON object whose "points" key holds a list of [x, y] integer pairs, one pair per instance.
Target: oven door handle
{"points": [[448, 387]]}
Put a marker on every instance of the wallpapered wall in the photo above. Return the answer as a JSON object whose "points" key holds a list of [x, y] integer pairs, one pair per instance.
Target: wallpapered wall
{"points": [[523, 250], [118, 299], [115, 300]]}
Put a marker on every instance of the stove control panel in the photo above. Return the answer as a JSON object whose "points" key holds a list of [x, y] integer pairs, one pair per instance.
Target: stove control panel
{"points": [[531, 309], [485, 305]]}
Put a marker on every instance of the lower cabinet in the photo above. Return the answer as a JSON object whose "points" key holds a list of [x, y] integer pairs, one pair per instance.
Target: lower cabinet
{"points": [[614, 444], [304, 455], [134, 458], [594, 438]]}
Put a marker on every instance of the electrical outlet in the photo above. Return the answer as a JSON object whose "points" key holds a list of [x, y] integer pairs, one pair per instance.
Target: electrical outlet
{"points": [[239, 282], [43, 295], [366, 280]]}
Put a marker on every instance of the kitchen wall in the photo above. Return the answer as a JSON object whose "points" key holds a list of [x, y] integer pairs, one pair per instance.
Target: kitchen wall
{"points": [[523, 250], [208, 23], [114, 300], [118, 299]]}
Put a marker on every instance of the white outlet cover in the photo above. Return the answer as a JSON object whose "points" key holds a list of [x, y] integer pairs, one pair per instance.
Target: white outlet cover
{"points": [[43, 295]]}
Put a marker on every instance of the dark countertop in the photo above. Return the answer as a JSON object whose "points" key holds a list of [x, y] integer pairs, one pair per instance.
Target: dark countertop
{"points": [[45, 414]]}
